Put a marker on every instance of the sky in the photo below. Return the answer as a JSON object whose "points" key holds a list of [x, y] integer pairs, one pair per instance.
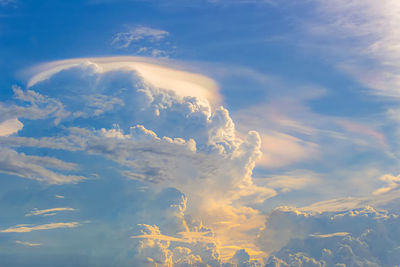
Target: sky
{"points": [[199, 133]]}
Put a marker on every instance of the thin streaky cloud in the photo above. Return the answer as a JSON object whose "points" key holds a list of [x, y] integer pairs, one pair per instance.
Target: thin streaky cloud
{"points": [[28, 244], [49, 226], [46, 211]]}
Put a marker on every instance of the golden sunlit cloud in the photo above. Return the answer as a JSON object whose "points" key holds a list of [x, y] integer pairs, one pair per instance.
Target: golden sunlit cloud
{"points": [[47, 211], [10, 126], [49, 226]]}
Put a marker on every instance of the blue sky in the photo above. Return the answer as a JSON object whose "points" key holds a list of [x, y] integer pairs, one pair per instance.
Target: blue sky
{"points": [[182, 133]]}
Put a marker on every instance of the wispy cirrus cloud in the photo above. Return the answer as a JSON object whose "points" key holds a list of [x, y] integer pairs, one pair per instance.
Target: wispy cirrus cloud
{"points": [[48, 212], [295, 180], [293, 133], [33, 167], [363, 36], [139, 33], [7, 2], [392, 182], [33, 106], [30, 228], [144, 41], [28, 244]]}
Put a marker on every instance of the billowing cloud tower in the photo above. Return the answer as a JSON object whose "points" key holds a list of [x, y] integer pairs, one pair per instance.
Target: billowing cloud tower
{"points": [[156, 126]]}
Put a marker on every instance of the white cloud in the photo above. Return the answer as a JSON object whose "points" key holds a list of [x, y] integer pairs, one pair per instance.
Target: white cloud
{"points": [[157, 132], [144, 41], [155, 73], [29, 244], [295, 180], [364, 35], [103, 103], [35, 106], [357, 237], [53, 163], [280, 149], [178, 163], [167, 131], [31, 167], [136, 34]]}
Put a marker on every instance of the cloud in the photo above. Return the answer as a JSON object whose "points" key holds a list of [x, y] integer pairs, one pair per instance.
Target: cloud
{"points": [[102, 103], [189, 241], [144, 41], [135, 120], [136, 34], [281, 149], [197, 245], [295, 180], [242, 259], [35, 106], [10, 126], [384, 200], [146, 129], [162, 127], [364, 37], [48, 212], [155, 248], [28, 244], [393, 182], [31, 167], [49, 226], [357, 237], [7, 2], [155, 73], [178, 163], [292, 133], [53, 163]]}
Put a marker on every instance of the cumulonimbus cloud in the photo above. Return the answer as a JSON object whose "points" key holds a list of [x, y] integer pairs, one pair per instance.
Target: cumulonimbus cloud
{"points": [[162, 126]]}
